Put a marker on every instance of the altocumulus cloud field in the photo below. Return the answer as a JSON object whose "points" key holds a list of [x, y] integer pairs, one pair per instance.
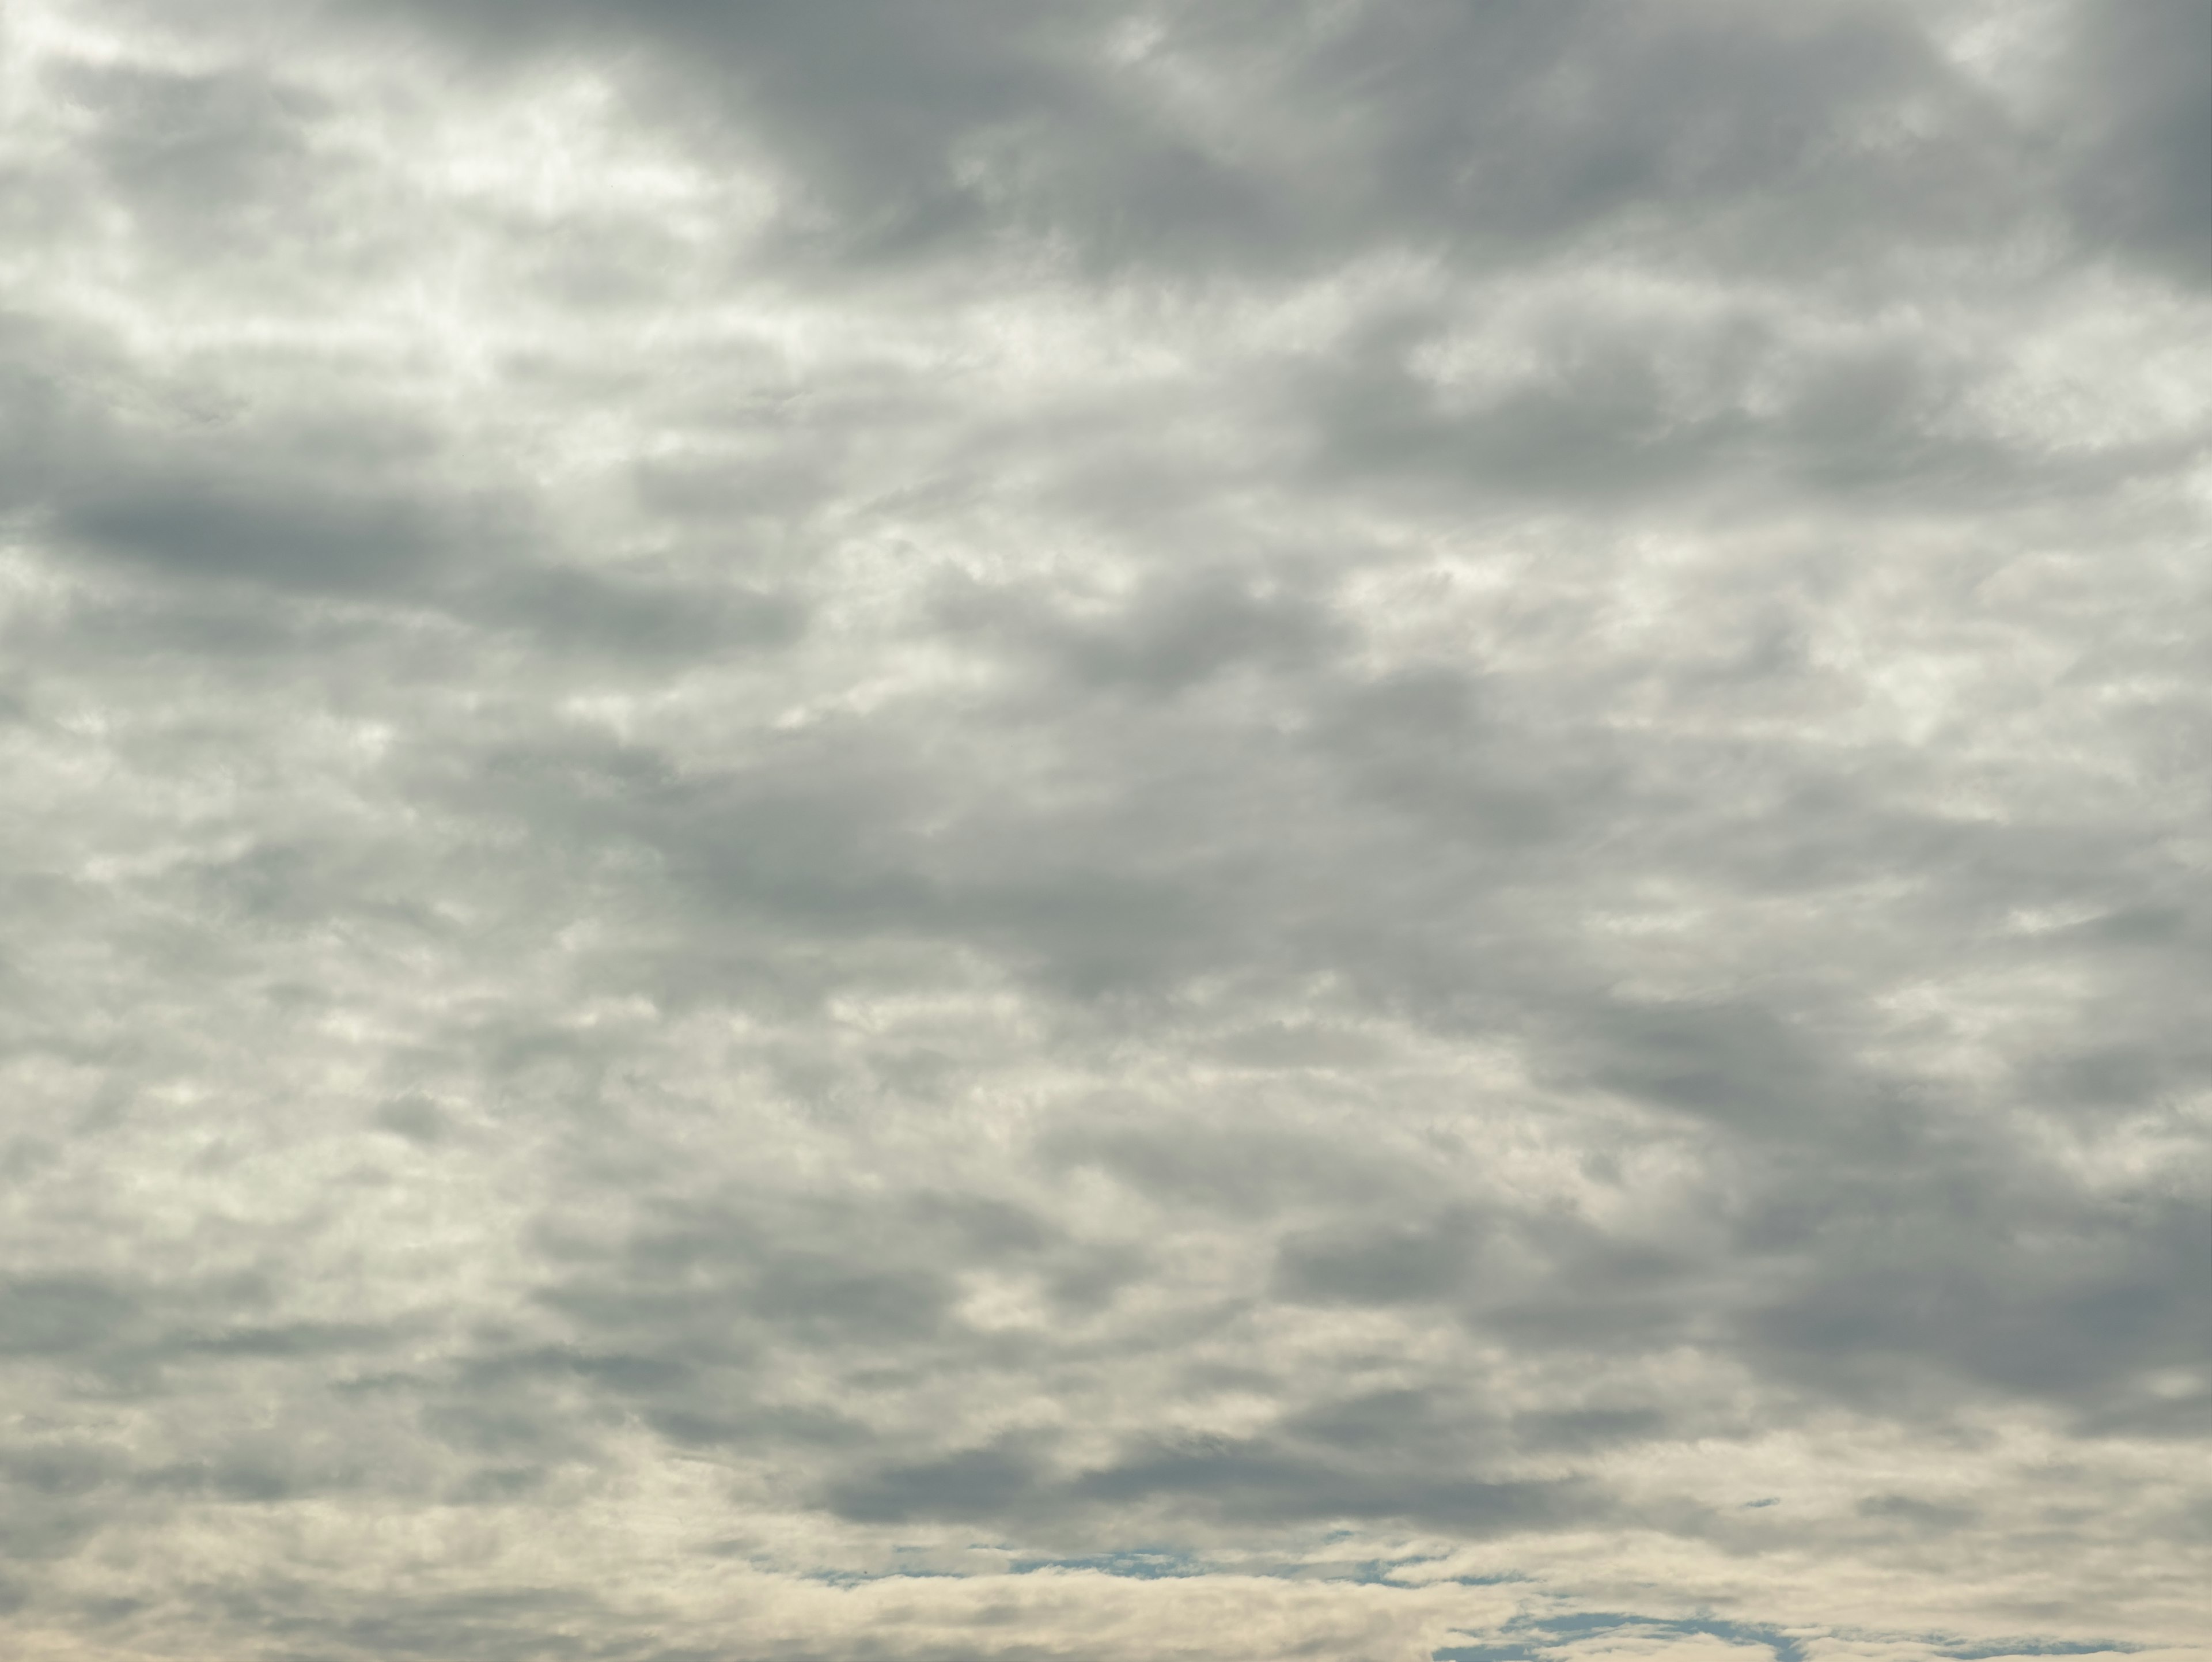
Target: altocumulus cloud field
{"points": [[1366, 829]]}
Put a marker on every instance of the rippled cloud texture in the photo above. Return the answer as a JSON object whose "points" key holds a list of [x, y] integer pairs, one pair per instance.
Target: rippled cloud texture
{"points": [[954, 829]]}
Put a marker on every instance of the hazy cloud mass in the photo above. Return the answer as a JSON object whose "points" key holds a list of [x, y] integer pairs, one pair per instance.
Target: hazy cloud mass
{"points": [[929, 829]]}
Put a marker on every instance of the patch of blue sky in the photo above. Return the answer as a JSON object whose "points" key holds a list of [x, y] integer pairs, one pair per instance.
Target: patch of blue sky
{"points": [[1162, 1563], [1138, 1563], [1534, 1638], [852, 1578], [1527, 1638]]}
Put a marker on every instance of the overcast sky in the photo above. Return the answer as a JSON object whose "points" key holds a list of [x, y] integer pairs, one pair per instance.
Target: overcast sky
{"points": [[962, 828]]}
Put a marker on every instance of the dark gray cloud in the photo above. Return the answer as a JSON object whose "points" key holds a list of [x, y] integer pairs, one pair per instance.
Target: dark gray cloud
{"points": [[2142, 121], [1118, 830]]}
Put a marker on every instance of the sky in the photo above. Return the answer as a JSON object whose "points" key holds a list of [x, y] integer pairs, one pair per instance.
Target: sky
{"points": [[1155, 830]]}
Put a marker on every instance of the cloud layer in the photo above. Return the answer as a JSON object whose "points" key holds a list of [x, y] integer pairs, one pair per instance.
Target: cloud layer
{"points": [[1372, 830]]}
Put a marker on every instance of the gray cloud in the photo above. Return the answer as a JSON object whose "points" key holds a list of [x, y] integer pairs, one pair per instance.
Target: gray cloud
{"points": [[2143, 114], [1126, 831]]}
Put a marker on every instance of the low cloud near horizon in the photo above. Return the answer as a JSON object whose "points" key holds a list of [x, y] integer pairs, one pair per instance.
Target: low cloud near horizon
{"points": [[951, 830]]}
